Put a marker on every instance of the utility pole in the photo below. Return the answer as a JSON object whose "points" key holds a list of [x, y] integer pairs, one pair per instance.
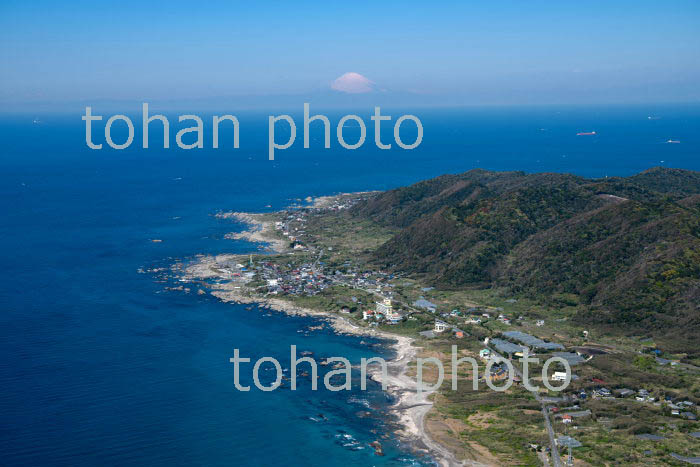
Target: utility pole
{"points": [[570, 460]]}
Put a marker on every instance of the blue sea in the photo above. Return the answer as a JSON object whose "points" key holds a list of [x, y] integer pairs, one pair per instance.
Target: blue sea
{"points": [[103, 366]]}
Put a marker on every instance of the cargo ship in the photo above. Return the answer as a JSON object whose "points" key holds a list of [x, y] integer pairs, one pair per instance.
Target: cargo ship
{"points": [[585, 133]]}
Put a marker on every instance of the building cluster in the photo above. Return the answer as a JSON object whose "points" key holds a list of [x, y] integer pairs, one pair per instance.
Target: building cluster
{"points": [[532, 342], [305, 279], [293, 226], [441, 327], [311, 278], [234, 271], [514, 343], [478, 315], [676, 407], [294, 220], [384, 311], [371, 281]]}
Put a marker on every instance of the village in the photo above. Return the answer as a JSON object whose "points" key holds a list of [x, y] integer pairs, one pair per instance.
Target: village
{"points": [[567, 411], [315, 271]]}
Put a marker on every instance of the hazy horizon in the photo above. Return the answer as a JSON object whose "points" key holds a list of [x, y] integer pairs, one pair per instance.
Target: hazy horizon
{"points": [[358, 54]]}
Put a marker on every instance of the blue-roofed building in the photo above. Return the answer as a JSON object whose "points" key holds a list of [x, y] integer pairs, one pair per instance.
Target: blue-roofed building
{"points": [[572, 358], [506, 347], [532, 341], [425, 304]]}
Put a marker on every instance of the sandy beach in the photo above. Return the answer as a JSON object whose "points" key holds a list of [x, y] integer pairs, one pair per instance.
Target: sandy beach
{"points": [[412, 407]]}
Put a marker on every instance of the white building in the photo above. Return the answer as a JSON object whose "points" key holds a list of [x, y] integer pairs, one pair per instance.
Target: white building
{"points": [[440, 326], [384, 307], [559, 376], [485, 354], [393, 316]]}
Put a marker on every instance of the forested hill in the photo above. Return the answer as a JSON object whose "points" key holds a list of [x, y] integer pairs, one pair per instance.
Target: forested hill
{"points": [[627, 250]]}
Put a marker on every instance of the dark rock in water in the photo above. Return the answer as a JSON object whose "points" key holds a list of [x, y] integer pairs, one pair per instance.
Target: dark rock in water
{"points": [[377, 448]]}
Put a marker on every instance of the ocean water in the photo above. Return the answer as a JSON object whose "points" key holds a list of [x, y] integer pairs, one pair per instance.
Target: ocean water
{"points": [[101, 365]]}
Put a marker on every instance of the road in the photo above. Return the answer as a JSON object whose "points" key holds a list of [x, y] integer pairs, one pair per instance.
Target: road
{"points": [[556, 459]]}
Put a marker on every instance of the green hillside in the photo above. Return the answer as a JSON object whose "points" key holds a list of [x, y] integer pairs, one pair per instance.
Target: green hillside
{"points": [[625, 250]]}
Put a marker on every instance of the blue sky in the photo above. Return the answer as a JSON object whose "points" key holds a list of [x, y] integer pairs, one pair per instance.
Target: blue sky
{"points": [[429, 52]]}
